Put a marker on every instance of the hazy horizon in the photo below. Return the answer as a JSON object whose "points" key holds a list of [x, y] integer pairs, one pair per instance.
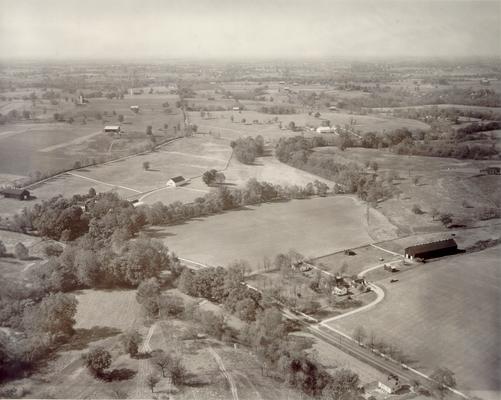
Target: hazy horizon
{"points": [[239, 30]]}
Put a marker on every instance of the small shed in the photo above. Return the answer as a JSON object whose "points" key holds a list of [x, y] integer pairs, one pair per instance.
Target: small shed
{"points": [[177, 181], [114, 129], [134, 109], [435, 249], [20, 194]]}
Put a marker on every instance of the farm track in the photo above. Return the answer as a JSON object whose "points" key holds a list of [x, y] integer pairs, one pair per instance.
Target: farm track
{"points": [[223, 370], [144, 366]]}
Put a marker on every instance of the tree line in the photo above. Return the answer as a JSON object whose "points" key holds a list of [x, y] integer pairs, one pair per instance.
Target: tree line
{"points": [[350, 178]]}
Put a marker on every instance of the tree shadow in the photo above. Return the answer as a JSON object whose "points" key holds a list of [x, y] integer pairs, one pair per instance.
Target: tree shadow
{"points": [[83, 337], [195, 381], [117, 374]]}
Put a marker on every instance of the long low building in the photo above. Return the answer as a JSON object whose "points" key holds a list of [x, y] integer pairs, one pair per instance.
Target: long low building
{"points": [[20, 194], [435, 249]]}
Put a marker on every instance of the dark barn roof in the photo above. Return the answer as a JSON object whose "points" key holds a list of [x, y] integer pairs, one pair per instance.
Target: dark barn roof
{"points": [[431, 247], [177, 179]]}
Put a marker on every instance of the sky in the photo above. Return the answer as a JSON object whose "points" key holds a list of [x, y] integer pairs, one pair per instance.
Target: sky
{"points": [[246, 29]]}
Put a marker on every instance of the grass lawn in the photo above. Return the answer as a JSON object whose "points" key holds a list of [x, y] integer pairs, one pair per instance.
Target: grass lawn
{"points": [[445, 313], [313, 227], [364, 258]]}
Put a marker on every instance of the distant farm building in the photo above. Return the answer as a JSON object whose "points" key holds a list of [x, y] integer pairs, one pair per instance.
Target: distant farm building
{"points": [[177, 181], [326, 129], [134, 109], [236, 108], [20, 194], [333, 108], [492, 170], [114, 129], [425, 251]]}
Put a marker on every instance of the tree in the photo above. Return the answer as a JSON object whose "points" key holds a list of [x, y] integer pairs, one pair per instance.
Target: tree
{"points": [[341, 383], [131, 341], [53, 317], [21, 251], [292, 126], [177, 371], [151, 381], [149, 130], [146, 165], [97, 360], [416, 180], [220, 178], [148, 293], [444, 379], [434, 213], [120, 118], [3, 249], [445, 218], [359, 334], [163, 361], [209, 176]]}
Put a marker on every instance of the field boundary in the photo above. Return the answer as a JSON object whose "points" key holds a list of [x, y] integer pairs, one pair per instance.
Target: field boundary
{"points": [[103, 163]]}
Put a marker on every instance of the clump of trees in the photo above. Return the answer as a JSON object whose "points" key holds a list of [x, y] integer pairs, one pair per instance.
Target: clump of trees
{"points": [[247, 149], [224, 286], [350, 178], [212, 176], [45, 321]]}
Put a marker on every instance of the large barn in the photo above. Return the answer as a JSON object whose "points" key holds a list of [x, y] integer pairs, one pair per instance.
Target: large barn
{"points": [[20, 194], [435, 249]]}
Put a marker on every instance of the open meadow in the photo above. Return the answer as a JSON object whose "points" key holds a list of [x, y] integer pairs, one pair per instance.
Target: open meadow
{"points": [[41, 144], [428, 182], [313, 227], [444, 313]]}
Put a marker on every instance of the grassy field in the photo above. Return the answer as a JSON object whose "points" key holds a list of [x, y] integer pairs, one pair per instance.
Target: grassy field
{"points": [[363, 258], [189, 157], [221, 124], [313, 227], [444, 313], [447, 184], [44, 145]]}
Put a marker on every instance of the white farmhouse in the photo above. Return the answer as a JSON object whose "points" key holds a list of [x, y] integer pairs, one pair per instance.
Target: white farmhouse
{"points": [[177, 181]]}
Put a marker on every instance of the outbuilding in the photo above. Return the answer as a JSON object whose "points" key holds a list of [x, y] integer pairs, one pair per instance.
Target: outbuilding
{"points": [[435, 249], [134, 109], [114, 129], [326, 129], [20, 194], [177, 181]]}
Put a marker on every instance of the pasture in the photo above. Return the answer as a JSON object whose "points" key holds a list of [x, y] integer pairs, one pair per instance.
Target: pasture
{"points": [[444, 313], [313, 227], [429, 182], [40, 144], [220, 123]]}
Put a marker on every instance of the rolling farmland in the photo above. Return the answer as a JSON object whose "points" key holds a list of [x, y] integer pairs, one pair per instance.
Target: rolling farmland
{"points": [[444, 313]]}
